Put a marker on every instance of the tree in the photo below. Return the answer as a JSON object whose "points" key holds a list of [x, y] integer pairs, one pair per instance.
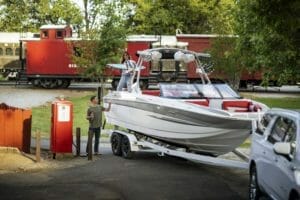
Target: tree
{"points": [[29, 15], [13, 15], [227, 65], [92, 10], [165, 16], [102, 44], [269, 35]]}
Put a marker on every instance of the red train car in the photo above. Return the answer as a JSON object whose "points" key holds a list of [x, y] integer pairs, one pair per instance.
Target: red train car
{"points": [[48, 58], [48, 62]]}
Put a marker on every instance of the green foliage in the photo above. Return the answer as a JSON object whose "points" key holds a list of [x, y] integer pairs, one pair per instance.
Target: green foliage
{"points": [[101, 45], [29, 15], [269, 36], [227, 64], [190, 16]]}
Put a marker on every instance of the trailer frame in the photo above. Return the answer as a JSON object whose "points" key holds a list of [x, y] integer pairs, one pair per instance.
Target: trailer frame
{"points": [[125, 144]]}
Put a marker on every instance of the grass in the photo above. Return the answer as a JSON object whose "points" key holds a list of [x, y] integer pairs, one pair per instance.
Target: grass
{"points": [[41, 116], [2, 78], [287, 102]]}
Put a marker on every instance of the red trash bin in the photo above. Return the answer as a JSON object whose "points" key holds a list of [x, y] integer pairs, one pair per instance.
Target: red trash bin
{"points": [[61, 127]]}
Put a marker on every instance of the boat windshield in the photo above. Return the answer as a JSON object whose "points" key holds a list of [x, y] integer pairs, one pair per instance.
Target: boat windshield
{"points": [[226, 91], [180, 91], [217, 91], [197, 91]]}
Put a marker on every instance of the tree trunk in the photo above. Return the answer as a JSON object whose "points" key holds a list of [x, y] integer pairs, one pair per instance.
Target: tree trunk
{"points": [[86, 15]]}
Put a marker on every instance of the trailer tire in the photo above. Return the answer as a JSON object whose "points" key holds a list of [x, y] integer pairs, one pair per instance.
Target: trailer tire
{"points": [[126, 150], [116, 140]]}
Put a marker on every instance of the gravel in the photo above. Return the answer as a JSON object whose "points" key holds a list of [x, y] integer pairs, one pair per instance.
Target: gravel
{"points": [[28, 97]]}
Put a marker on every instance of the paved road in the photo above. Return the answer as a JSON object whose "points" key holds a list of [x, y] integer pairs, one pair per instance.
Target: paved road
{"points": [[147, 176]]}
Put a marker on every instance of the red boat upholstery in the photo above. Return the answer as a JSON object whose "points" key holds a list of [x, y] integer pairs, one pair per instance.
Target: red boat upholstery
{"points": [[236, 105], [151, 92], [201, 102]]}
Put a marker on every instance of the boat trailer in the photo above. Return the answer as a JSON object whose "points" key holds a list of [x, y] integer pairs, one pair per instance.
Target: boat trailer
{"points": [[125, 144]]}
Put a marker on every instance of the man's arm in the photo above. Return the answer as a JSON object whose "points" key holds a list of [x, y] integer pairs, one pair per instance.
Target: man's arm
{"points": [[89, 115], [107, 109]]}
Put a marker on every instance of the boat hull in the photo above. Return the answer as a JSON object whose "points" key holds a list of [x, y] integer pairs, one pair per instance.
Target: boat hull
{"points": [[197, 128]]}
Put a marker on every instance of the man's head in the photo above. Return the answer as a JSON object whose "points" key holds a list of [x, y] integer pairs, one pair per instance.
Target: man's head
{"points": [[94, 99]]}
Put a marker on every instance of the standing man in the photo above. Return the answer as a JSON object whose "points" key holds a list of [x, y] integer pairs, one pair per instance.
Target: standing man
{"points": [[94, 115]]}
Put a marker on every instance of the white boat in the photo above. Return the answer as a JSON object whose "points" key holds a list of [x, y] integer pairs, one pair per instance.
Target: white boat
{"points": [[203, 118]]}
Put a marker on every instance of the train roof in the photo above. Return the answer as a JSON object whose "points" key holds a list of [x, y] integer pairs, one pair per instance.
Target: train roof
{"points": [[51, 26], [157, 40], [13, 37]]}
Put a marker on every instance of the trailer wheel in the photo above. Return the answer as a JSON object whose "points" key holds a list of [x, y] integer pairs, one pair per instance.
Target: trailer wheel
{"points": [[116, 140], [126, 150]]}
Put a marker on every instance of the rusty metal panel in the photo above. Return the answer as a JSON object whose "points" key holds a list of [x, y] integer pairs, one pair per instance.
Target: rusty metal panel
{"points": [[2, 130], [27, 119], [15, 127]]}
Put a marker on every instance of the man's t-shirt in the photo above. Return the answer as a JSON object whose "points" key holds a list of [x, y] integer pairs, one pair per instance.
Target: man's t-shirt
{"points": [[95, 122]]}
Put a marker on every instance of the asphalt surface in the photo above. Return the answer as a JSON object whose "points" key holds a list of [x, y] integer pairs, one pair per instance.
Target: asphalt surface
{"points": [[147, 176]]}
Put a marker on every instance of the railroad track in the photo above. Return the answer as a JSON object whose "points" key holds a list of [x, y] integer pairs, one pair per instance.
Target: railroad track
{"points": [[295, 89], [74, 85], [7, 83]]}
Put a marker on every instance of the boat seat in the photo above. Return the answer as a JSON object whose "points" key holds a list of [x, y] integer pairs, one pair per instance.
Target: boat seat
{"points": [[236, 105], [201, 102], [151, 92]]}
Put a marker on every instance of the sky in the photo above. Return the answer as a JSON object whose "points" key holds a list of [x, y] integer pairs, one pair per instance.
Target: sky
{"points": [[79, 3]]}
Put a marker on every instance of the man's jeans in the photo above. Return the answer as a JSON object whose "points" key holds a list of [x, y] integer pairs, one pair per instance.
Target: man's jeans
{"points": [[96, 132]]}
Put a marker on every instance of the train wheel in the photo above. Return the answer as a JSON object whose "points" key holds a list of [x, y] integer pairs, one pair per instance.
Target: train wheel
{"points": [[66, 83], [63, 83], [36, 82], [49, 83]]}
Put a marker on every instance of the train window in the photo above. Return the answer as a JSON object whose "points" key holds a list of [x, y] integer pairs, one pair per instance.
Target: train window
{"points": [[17, 51], [1, 51], [59, 34], [45, 34], [9, 51]]}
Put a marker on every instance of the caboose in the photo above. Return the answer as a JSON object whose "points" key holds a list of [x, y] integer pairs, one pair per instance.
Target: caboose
{"points": [[47, 60]]}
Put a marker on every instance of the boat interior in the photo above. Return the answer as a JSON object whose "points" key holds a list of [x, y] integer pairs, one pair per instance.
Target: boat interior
{"points": [[219, 96]]}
